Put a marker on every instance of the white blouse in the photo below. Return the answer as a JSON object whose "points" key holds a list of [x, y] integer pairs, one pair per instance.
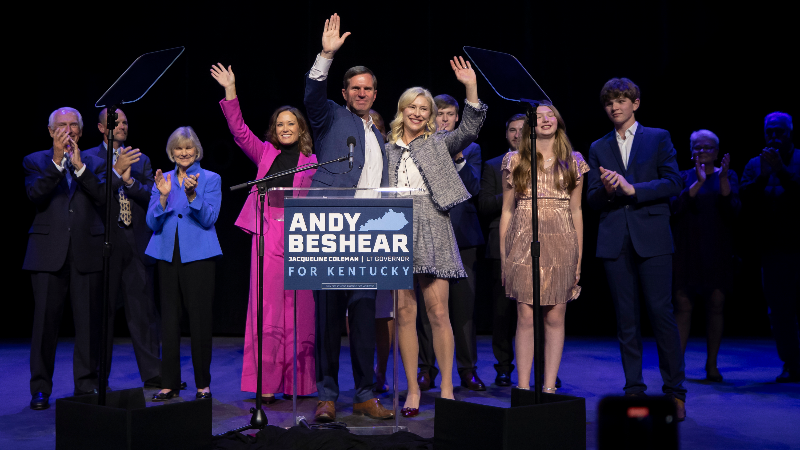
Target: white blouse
{"points": [[408, 175]]}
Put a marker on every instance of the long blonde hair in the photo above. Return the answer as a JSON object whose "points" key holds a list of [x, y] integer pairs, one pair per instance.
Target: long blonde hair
{"points": [[562, 149], [406, 99]]}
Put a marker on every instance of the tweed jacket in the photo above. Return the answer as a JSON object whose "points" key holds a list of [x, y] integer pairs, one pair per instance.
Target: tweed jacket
{"points": [[434, 159]]}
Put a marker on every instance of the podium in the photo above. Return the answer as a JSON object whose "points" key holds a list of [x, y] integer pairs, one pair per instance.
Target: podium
{"points": [[346, 239]]}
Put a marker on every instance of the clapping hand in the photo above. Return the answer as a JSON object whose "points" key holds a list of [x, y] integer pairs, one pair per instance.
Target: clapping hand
{"points": [[331, 40], [189, 185], [771, 161], [127, 157], [723, 168], [74, 155], [700, 171], [61, 143], [614, 181], [164, 185]]}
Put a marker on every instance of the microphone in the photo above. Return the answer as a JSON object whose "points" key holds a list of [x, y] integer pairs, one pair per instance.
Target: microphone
{"points": [[351, 142]]}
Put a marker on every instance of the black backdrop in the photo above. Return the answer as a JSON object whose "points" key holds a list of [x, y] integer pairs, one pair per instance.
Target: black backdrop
{"points": [[698, 65]]}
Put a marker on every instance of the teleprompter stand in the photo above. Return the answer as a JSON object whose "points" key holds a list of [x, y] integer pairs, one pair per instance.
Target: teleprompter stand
{"points": [[120, 419], [534, 418]]}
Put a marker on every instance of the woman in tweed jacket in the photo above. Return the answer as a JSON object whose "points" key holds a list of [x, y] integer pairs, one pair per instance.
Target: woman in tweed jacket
{"points": [[421, 157]]}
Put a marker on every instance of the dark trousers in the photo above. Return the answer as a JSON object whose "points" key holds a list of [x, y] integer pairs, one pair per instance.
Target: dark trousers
{"points": [[50, 291], [504, 322], [461, 306], [330, 308], [627, 274], [131, 283], [779, 275], [193, 285]]}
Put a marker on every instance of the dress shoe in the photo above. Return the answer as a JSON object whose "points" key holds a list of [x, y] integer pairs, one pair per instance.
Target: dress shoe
{"points": [[788, 376], [326, 412], [558, 382], [409, 412], [425, 381], [503, 379], [40, 401], [471, 381], [201, 394], [159, 397], [680, 409], [155, 382], [372, 408], [269, 400]]}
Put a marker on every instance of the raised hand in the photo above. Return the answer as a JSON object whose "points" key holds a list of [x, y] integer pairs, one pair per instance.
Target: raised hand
{"points": [[75, 155], [189, 185], [164, 185], [463, 70], [331, 40], [127, 157], [700, 170], [723, 168], [226, 79], [60, 144]]}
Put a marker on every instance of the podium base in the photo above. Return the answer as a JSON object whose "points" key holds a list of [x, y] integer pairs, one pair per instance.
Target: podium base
{"points": [[558, 422], [125, 423]]}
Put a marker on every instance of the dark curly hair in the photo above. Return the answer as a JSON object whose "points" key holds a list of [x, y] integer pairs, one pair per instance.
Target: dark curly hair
{"points": [[306, 143]]}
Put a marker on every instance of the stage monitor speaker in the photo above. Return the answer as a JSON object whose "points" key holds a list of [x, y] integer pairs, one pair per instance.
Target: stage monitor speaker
{"points": [[125, 423], [558, 422], [636, 423]]}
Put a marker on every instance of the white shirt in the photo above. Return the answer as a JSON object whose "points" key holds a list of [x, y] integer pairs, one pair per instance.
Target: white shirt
{"points": [[372, 171], [626, 143], [61, 167]]}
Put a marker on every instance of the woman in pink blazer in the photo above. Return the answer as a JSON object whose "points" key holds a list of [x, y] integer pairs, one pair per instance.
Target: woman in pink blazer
{"points": [[288, 145]]}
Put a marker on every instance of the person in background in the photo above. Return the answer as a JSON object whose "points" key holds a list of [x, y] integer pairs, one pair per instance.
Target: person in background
{"points": [[184, 206], [287, 145], [703, 217]]}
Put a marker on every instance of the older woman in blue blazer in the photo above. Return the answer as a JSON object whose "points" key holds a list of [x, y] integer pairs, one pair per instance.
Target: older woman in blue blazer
{"points": [[184, 206]]}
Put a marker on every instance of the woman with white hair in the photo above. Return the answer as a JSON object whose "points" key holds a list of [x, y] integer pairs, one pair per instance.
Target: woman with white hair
{"points": [[184, 205], [421, 157], [703, 218]]}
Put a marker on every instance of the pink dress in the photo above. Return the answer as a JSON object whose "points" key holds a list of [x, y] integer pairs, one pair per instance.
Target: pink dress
{"points": [[278, 329]]}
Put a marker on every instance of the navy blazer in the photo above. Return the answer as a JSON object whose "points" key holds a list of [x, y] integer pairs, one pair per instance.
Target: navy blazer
{"points": [[464, 216], [654, 174], [138, 194], [194, 222], [68, 216], [490, 202], [332, 124]]}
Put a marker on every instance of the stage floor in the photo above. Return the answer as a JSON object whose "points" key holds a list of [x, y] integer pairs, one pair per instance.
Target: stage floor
{"points": [[747, 410]]}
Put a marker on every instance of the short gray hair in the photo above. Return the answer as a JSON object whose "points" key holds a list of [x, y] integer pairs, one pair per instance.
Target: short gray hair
{"points": [[703, 133], [64, 110], [180, 137], [777, 115]]}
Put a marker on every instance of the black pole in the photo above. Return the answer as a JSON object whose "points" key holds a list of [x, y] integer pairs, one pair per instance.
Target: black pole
{"points": [[259, 419], [538, 315]]}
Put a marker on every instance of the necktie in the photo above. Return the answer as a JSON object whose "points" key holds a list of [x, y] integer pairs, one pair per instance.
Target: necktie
{"points": [[124, 202]]}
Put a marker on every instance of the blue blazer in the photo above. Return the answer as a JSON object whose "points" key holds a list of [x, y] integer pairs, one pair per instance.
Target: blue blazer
{"points": [[464, 216], [653, 172], [194, 221], [490, 202], [139, 195], [332, 124], [68, 215]]}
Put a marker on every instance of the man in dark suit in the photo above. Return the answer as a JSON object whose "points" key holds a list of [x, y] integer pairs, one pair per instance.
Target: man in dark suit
{"points": [[65, 253], [332, 124], [634, 175], [467, 229], [490, 204], [131, 275]]}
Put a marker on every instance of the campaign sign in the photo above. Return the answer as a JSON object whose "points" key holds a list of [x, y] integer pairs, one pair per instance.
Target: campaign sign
{"points": [[348, 243]]}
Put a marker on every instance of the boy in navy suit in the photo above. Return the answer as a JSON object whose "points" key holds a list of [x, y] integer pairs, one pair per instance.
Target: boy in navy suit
{"points": [[635, 175]]}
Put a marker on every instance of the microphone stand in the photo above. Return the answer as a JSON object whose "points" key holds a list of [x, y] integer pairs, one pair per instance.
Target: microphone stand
{"points": [[259, 418]]}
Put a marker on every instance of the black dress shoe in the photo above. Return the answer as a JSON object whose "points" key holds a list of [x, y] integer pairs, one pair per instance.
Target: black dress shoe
{"points": [[40, 401], [425, 381], [155, 382], [788, 376], [471, 381], [204, 395], [162, 397], [503, 379]]}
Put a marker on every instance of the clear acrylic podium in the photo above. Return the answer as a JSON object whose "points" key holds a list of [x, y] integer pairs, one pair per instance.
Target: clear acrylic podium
{"points": [[279, 200]]}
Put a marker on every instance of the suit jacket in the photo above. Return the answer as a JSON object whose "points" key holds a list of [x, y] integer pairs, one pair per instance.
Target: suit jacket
{"points": [[263, 154], [332, 125], [139, 196], [194, 221], [68, 216], [490, 202], [653, 172], [464, 216]]}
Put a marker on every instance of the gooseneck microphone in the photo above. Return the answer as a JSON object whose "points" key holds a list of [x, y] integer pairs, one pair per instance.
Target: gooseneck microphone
{"points": [[351, 142]]}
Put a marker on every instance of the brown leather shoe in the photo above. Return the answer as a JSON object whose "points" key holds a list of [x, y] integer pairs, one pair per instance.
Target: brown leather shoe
{"points": [[471, 381], [680, 409], [425, 381], [371, 408], [326, 412]]}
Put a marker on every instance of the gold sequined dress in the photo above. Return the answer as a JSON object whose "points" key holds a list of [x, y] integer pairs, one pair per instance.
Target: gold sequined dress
{"points": [[559, 241]]}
